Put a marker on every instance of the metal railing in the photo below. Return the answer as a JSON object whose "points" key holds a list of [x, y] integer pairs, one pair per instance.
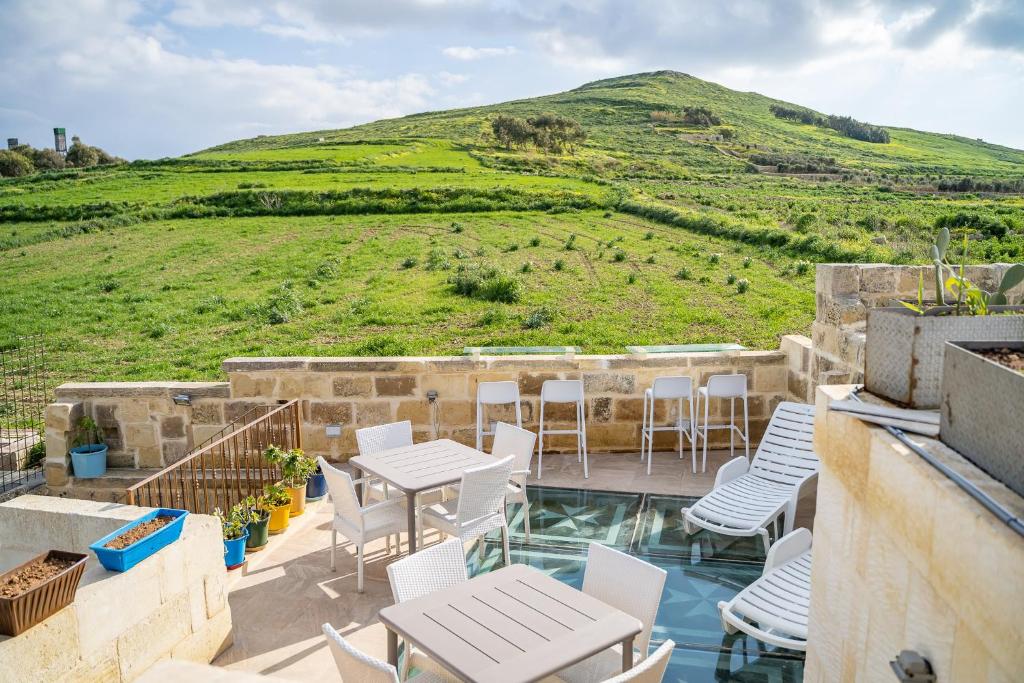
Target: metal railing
{"points": [[24, 393], [225, 471]]}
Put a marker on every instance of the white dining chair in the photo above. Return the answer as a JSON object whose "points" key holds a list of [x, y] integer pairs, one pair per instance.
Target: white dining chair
{"points": [[427, 570], [729, 387], [510, 440], [357, 666], [564, 391], [373, 440], [490, 394], [478, 509], [626, 583], [651, 670], [677, 389], [358, 523]]}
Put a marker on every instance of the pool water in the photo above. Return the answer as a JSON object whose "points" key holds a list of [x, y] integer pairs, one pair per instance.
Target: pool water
{"points": [[702, 570]]}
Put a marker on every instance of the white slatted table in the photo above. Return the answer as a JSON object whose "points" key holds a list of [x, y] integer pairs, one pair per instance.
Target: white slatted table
{"points": [[511, 625], [421, 467]]}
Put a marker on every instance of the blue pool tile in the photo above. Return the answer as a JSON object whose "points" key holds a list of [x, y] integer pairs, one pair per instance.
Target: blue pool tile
{"points": [[662, 532], [577, 518], [739, 665]]}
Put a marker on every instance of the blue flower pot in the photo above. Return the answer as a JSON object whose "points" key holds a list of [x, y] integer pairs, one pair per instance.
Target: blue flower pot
{"points": [[316, 486], [89, 461], [234, 551], [124, 559]]}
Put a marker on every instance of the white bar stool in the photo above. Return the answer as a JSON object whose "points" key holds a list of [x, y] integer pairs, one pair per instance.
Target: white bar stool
{"points": [[731, 387], [564, 391], [490, 394], [671, 389]]}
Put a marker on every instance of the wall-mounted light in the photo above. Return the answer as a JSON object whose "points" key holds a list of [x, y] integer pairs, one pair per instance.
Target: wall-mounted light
{"points": [[182, 400], [332, 431], [910, 667]]}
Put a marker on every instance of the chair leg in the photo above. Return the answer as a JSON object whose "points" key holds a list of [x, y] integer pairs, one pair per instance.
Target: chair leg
{"points": [[387, 544], [526, 514], [746, 428], [579, 443], [693, 434], [540, 443], [649, 418], [732, 428], [480, 547], [479, 425], [643, 431], [334, 545], [504, 544], [583, 435], [519, 414], [679, 416], [359, 568]]}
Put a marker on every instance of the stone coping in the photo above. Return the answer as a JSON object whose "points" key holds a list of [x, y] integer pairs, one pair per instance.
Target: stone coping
{"points": [[142, 389], [459, 363]]}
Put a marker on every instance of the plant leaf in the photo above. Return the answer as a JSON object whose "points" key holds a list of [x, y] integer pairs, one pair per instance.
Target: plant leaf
{"points": [[1012, 277], [942, 242], [915, 309]]}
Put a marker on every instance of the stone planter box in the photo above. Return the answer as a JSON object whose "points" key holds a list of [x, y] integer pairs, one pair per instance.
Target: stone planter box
{"points": [[983, 411], [904, 351]]}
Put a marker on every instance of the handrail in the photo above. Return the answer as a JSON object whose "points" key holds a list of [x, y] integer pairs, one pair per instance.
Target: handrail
{"points": [[225, 471]]}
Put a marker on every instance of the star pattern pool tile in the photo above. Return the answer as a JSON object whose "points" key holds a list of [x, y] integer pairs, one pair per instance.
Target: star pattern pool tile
{"points": [[566, 516], [662, 532], [690, 665]]}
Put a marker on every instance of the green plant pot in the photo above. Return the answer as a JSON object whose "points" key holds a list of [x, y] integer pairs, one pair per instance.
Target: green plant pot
{"points": [[259, 535]]}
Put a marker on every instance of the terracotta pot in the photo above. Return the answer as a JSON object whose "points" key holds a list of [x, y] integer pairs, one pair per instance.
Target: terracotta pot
{"points": [[298, 495], [279, 517]]}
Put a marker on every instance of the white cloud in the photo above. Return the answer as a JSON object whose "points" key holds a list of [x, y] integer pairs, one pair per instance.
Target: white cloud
{"points": [[449, 79], [468, 54]]}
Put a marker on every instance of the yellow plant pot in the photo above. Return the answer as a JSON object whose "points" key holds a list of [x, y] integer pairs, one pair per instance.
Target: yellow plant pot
{"points": [[279, 519], [298, 500]]}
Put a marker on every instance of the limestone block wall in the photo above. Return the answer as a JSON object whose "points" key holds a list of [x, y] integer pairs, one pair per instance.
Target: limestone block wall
{"points": [[845, 291], [904, 559], [172, 605]]}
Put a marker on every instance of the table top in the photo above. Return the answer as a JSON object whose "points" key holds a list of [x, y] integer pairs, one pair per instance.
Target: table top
{"points": [[422, 466], [511, 625]]}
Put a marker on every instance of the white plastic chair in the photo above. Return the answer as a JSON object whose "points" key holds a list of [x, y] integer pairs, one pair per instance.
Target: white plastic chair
{"points": [[748, 497], [431, 569], [774, 608], [651, 670], [357, 523], [629, 584], [490, 394], [518, 443], [355, 665], [670, 389], [479, 508], [373, 440], [730, 387], [564, 391]]}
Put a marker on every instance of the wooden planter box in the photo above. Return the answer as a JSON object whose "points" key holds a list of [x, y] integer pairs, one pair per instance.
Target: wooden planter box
{"points": [[903, 351], [983, 411], [22, 612]]}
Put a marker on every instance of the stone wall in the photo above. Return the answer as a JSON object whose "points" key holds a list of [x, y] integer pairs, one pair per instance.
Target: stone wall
{"points": [[844, 292], [905, 559], [172, 605]]}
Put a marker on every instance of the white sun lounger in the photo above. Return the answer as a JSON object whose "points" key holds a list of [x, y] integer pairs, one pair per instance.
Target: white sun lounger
{"points": [[774, 608], [747, 498]]}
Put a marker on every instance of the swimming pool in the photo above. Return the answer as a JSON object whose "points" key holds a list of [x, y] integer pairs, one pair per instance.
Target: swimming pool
{"points": [[564, 521]]}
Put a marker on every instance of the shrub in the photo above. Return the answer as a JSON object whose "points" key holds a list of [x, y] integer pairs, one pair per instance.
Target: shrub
{"points": [[535, 242], [802, 267], [619, 256], [108, 285], [742, 286], [14, 165], [46, 159], [437, 259], [649, 235], [650, 259], [282, 305], [487, 285], [492, 316], [570, 243], [631, 278], [409, 262], [714, 258], [539, 317], [559, 264], [526, 267], [512, 247], [747, 261], [730, 279], [457, 228], [683, 274], [81, 155], [327, 270]]}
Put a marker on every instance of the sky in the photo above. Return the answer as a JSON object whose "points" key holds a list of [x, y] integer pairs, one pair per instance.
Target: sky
{"points": [[153, 78]]}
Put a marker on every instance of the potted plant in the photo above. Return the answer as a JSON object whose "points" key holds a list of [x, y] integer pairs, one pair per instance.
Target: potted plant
{"points": [[905, 344], [89, 454], [316, 485], [121, 550], [37, 589], [233, 528], [296, 468], [257, 523], [983, 407], [279, 502]]}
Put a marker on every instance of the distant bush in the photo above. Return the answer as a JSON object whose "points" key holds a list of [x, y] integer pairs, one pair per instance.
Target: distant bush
{"points": [[619, 256], [492, 316], [700, 116], [845, 125], [631, 278], [742, 286], [683, 274], [539, 317], [535, 242], [802, 267], [747, 261], [986, 225], [730, 279], [487, 284], [548, 132], [281, 305], [714, 258], [14, 165], [409, 262], [437, 259], [559, 264]]}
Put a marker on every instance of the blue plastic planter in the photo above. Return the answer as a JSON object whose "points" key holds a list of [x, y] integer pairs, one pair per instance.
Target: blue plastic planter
{"points": [[234, 551], [316, 486], [89, 461], [124, 559]]}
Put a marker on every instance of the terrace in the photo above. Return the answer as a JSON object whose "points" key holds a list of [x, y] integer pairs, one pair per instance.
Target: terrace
{"points": [[906, 557]]}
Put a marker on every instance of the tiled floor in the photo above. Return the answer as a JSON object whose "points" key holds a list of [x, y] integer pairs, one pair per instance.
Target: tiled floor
{"points": [[289, 590]]}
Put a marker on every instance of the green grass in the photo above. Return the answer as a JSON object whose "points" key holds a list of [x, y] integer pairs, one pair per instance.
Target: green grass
{"points": [[160, 269]]}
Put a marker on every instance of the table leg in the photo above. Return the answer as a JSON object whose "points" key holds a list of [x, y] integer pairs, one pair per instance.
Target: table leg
{"points": [[392, 648], [627, 654], [410, 502]]}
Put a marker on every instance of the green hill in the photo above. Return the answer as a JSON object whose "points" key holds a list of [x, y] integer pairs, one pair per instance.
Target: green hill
{"points": [[423, 234]]}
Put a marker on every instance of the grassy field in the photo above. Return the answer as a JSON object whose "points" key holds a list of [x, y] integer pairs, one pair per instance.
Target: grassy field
{"points": [[357, 241]]}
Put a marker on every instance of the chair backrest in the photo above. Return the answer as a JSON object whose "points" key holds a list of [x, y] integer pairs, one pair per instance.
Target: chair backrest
{"points": [[497, 392], [672, 387], [382, 437], [727, 386], [482, 491], [650, 670], [511, 440], [786, 452], [354, 665], [561, 390], [627, 583], [431, 569], [343, 492]]}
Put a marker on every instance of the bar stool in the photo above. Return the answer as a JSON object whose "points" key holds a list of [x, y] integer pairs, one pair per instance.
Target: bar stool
{"points": [[671, 389], [564, 391], [731, 387], [495, 393]]}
